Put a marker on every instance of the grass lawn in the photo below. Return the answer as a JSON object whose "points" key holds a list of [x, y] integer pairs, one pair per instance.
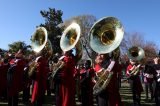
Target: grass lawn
{"points": [[126, 97]]}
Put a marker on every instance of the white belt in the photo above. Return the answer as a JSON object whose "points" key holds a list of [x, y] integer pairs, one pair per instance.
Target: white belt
{"points": [[148, 75]]}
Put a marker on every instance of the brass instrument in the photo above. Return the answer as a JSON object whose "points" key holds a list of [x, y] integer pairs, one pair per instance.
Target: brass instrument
{"points": [[136, 54], [105, 37], [40, 44], [32, 70], [69, 40], [39, 39], [55, 68], [135, 70]]}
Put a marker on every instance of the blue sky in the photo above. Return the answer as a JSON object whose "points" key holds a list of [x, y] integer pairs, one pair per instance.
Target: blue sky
{"points": [[18, 18]]}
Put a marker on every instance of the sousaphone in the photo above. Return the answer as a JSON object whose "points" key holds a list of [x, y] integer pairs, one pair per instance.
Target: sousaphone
{"points": [[40, 44], [69, 40], [105, 37], [135, 53]]}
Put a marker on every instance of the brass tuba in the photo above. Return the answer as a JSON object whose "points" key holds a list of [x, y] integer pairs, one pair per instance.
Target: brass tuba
{"points": [[136, 54], [40, 43], [39, 39], [105, 37], [69, 40]]}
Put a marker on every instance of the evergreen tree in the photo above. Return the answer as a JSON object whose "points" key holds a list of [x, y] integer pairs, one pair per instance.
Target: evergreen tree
{"points": [[53, 20]]}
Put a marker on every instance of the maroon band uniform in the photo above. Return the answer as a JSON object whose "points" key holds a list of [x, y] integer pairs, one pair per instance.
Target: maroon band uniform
{"points": [[66, 86], [111, 91], [3, 77], [87, 86], [39, 86]]}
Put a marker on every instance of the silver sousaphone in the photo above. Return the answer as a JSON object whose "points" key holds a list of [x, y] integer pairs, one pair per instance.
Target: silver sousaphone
{"points": [[40, 44], [69, 40], [135, 53], [105, 37]]}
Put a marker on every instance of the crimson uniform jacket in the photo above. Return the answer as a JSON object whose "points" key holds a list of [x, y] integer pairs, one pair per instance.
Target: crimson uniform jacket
{"points": [[66, 91], [136, 79], [114, 98], [39, 86], [3, 77], [91, 75], [17, 80], [27, 80], [87, 83]]}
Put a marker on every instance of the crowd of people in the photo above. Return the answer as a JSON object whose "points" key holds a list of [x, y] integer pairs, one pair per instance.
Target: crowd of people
{"points": [[20, 73]]}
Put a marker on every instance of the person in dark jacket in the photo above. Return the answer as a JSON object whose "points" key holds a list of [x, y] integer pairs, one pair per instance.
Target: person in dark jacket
{"points": [[86, 76], [157, 81], [15, 81], [148, 80]]}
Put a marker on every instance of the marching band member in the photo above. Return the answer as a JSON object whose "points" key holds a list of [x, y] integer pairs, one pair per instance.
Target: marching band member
{"points": [[15, 78], [135, 82], [48, 81], [110, 96], [65, 83], [148, 79], [157, 81], [39, 86], [27, 81], [87, 75], [1, 60], [4, 65], [77, 81], [102, 97]]}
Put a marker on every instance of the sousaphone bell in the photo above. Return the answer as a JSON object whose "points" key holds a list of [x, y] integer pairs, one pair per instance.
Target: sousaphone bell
{"points": [[135, 53], [106, 35], [71, 39]]}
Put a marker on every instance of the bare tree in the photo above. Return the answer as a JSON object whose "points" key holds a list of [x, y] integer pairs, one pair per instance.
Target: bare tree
{"points": [[150, 49], [133, 39], [137, 39]]}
